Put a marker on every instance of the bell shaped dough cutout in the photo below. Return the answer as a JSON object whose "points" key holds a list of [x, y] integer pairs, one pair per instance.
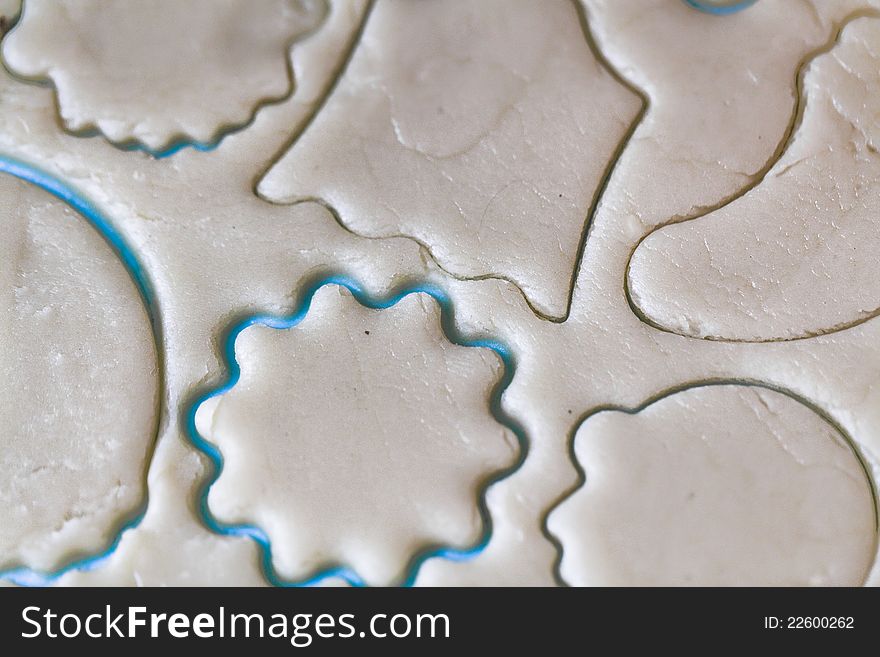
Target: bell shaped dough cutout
{"points": [[796, 255], [357, 437], [483, 130], [717, 485], [160, 71], [79, 384]]}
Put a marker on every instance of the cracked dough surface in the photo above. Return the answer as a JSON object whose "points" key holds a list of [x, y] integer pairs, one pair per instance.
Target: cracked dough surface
{"points": [[794, 256], [639, 112]]}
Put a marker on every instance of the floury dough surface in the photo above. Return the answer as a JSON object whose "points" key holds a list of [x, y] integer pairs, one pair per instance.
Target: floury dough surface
{"points": [[334, 419], [80, 384], [663, 99]]}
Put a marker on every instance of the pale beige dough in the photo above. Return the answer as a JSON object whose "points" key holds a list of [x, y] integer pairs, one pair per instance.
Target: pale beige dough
{"points": [[480, 129], [716, 486], [217, 253], [9, 9], [604, 354], [796, 256], [79, 384], [213, 251], [357, 437], [155, 71]]}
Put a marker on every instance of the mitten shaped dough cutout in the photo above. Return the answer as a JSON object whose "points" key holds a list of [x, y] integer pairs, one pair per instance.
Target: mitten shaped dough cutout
{"points": [[796, 255]]}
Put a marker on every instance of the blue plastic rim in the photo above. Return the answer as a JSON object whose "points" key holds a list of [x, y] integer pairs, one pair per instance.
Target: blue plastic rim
{"points": [[720, 8], [284, 322], [23, 576], [176, 145]]}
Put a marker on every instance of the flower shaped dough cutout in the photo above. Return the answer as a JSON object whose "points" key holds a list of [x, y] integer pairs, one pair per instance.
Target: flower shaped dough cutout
{"points": [[157, 72], [359, 437]]}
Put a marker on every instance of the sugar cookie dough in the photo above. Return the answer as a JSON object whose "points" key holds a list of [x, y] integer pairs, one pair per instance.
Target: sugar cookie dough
{"points": [[154, 71], [482, 130], [79, 384], [357, 437], [569, 133], [716, 486], [796, 255]]}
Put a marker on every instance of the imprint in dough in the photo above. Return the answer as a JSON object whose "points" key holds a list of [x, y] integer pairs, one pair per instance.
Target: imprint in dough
{"points": [[79, 384], [156, 72], [716, 485], [482, 130], [357, 437], [796, 256]]}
